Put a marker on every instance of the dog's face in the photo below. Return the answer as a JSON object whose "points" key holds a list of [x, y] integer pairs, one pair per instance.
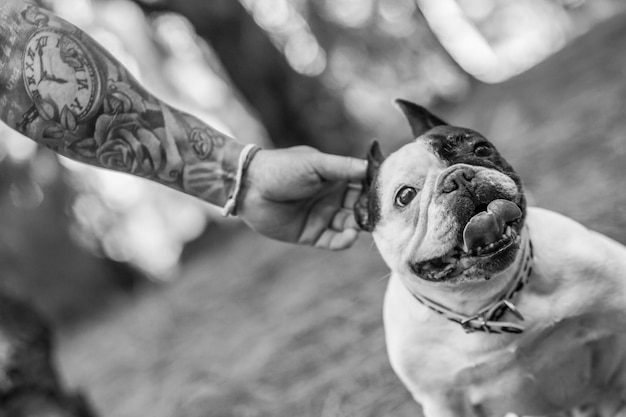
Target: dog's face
{"points": [[446, 207]]}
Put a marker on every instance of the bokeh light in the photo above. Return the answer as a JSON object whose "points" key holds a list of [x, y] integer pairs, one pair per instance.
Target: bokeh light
{"points": [[290, 33], [367, 51]]}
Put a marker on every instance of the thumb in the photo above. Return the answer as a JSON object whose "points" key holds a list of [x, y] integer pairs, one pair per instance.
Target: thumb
{"points": [[340, 168]]}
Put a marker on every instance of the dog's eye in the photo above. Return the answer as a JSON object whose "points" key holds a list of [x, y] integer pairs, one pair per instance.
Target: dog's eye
{"points": [[405, 196], [482, 150]]}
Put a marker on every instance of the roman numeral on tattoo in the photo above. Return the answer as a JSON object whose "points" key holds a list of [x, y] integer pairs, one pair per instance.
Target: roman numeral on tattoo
{"points": [[31, 80], [42, 42], [82, 84], [76, 105], [31, 53], [30, 67]]}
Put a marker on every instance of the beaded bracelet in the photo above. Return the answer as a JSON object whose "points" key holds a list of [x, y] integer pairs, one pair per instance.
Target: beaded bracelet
{"points": [[245, 157]]}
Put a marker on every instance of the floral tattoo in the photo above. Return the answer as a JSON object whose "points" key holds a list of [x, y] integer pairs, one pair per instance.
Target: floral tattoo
{"points": [[63, 90]]}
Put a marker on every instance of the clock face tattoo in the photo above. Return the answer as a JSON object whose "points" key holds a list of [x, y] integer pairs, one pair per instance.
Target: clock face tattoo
{"points": [[60, 76]]}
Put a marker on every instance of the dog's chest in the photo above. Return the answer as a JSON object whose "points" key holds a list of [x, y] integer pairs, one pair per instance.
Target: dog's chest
{"points": [[529, 375]]}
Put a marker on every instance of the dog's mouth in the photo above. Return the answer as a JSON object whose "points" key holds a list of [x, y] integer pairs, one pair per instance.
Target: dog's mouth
{"points": [[492, 230]]}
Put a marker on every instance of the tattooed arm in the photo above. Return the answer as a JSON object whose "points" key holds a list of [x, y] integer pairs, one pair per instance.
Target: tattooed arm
{"points": [[63, 90]]}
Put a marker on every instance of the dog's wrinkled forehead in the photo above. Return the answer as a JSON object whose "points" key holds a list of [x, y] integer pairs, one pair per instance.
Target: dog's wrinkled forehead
{"points": [[459, 145], [442, 147], [410, 164]]}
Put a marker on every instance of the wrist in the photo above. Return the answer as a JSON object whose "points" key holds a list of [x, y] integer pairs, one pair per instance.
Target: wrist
{"points": [[244, 159]]}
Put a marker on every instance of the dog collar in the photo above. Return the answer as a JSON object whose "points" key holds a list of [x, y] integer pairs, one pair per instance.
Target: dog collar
{"points": [[488, 318]]}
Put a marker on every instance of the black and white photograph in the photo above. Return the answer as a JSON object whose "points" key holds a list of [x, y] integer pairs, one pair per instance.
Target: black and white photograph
{"points": [[312, 208]]}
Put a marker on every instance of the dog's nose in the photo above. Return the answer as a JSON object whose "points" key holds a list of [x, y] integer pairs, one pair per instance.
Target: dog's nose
{"points": [[458, 179]]}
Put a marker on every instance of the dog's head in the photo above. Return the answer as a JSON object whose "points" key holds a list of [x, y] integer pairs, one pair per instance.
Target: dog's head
{"points": [[444, 207]]}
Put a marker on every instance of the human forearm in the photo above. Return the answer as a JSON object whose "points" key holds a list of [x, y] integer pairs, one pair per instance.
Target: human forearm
{"points": [[63, 90]]}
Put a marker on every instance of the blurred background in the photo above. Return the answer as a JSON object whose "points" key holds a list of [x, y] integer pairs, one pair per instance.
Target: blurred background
{"points": [[162, 307]]}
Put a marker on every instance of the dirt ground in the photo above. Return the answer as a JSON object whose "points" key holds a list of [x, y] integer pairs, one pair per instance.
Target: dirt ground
{"points": [[257, 328], [251, 328]]}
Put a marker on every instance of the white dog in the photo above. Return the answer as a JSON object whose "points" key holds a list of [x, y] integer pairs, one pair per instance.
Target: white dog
{"points": [[492, 307]]}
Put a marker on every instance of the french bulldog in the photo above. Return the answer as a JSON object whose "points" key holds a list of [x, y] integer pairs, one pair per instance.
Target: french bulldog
{"points": [[492, 308]]}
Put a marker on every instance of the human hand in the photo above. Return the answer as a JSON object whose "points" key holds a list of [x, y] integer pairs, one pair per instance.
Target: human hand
{"points": [[300, 195]]}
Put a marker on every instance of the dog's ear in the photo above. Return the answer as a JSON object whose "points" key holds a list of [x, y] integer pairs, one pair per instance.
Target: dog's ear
{"points": [[366, 208], [420, 119]]}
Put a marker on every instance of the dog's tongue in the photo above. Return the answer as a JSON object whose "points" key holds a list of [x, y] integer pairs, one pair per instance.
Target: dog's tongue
{"points": [[489, 226]]}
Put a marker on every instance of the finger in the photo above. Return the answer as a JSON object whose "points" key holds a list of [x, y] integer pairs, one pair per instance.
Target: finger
{"points": [[303, 149], [333, 240], [340, 219], [318, 220], [351, 223], [344, 219], [353, 192], [344, 240], [340, 168], [330, 214]]}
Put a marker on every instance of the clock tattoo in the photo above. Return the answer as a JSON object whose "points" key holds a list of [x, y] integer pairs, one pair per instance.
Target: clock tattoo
{"points": [[61, 77]]}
